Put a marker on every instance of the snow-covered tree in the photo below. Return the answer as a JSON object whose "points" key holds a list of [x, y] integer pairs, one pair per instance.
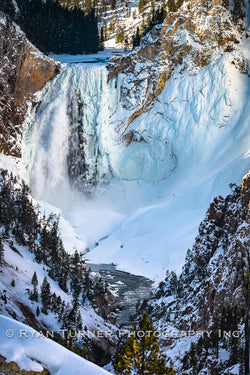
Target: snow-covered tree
{"points": [[1, 252], [45, 296]]}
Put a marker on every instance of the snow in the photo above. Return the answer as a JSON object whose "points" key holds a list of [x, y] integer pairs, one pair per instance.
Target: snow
{"points": [[71, 241], [158, 238], [234, 370], [12, 164], [20, 266], [187, 149], [2, 21], [195, 142], [205, 119], [35, 352], [94, 223], [244, 47], [126, 16]]}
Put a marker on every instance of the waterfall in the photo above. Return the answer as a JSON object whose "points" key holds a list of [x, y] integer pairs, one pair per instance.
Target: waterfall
{"points": [[72, 142], [65, 141]]}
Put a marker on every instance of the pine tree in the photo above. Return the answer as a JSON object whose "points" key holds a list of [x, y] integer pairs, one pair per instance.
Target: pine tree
{"points": [[171, 6], [1, 253], [136, 38], [45, 296], [60, 26], [7, 6], [105, 31], [78, 321], [6, 203], [141, 6], [76, 273], [173, 283], [88, 287], [34, 293], [141, 353], [99, 287], [101, 45], [112, 4], [120, 34], [238, 10], [73, 315], [34, 280], [88, 6]]}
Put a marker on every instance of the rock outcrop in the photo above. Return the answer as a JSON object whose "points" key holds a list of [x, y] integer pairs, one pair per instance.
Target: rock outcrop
{"points": [[213, 291], [12, 368], [24, 70], [188, 40]]}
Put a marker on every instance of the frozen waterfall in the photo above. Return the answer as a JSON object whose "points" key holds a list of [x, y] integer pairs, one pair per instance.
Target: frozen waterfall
{"points": [[182, 153], [72, 140], [65, 140]]}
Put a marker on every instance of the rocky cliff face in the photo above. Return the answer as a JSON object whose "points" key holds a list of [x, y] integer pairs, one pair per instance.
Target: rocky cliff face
{"points": [[188, 40], [212, 292], [23, 71]]}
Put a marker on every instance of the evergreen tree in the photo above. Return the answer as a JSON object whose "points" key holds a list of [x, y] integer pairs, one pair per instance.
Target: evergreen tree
{"points": [[120, 34], [34, 293], [88, 6], [65, 315], [141, 5], [141, 353], [45, 296], [7, 7], [34, 280], [101, 45], [136, 39], [99, 287], [72, 315], [6, 203], [78, 321], [1, 253], [76, 276], [88, 287], [104, 31], [59, 26], [171, 6], [238, 10], [112, 4]]}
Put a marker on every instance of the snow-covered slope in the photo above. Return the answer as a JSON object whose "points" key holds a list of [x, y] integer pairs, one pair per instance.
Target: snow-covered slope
{"points": [[167, 133], [34, 353], [32, 258], [203, 120], [211, 293], [20, 265]]}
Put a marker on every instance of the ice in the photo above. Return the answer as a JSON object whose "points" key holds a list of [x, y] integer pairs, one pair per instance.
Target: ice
{"points": [[148, 197], [205, 120], [68, 133]]}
